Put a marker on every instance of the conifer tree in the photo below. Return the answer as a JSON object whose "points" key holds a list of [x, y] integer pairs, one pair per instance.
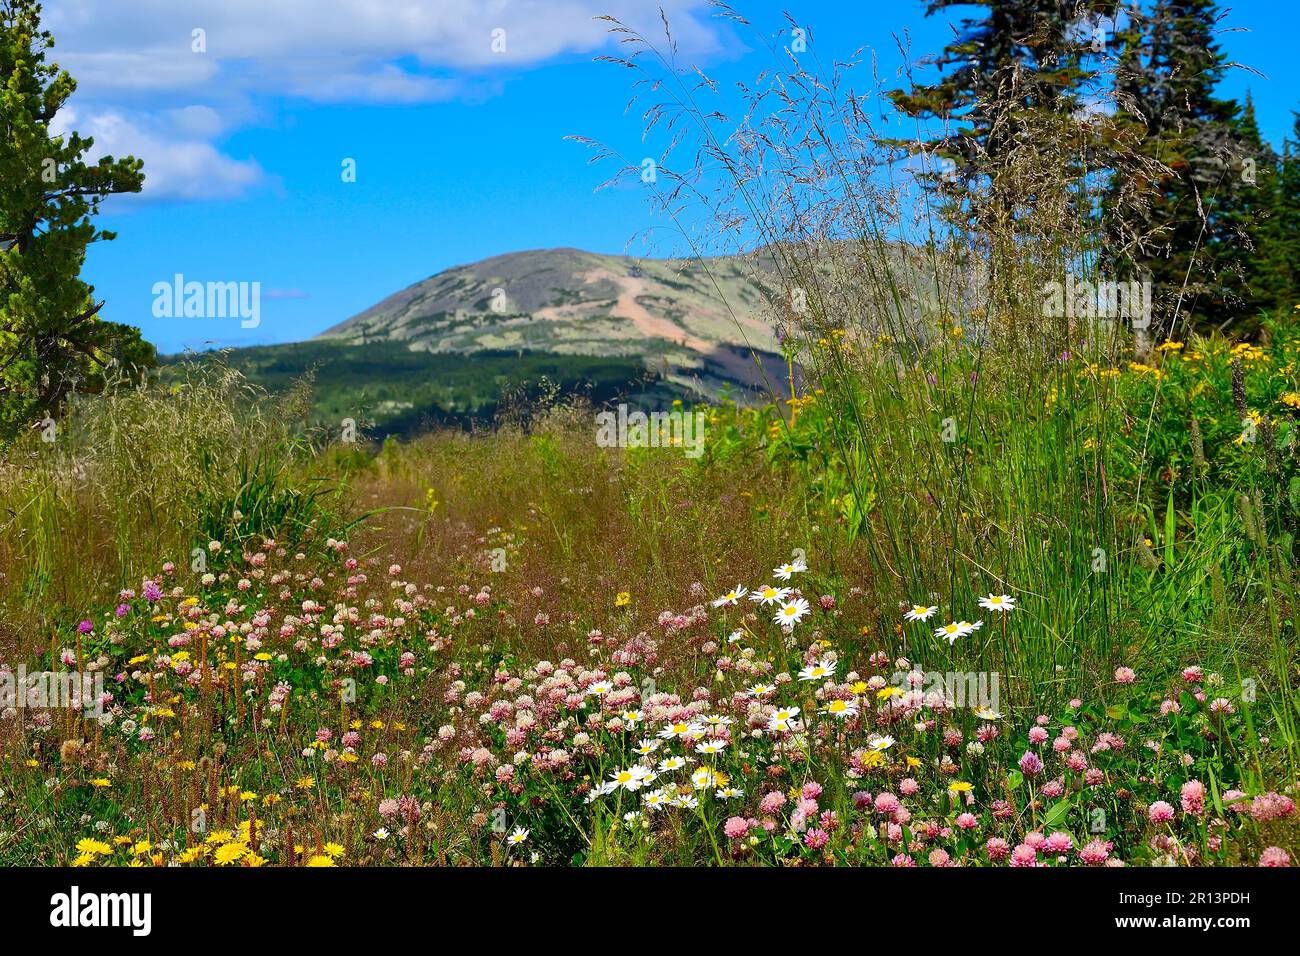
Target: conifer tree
{"points": [[51, 336]]}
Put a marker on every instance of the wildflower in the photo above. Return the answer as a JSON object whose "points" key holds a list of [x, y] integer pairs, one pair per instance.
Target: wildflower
{"points": [[735, 828], [880, 742], [784, 572], [731, 597], [792, 612], [623, 599], [517, 836], [1192, 797], [815, 839], [680, 729], [600, 688], [703, 778], [1160, 812], [954, 630], [1030, 764], [380, 834], [769, 595], [998, 602], [229, 853], [1274, 856], [783, 718], [633, 778], [710, 747], [843, 709], [669, 764], [823, 669], [1125, 675], [93, 847], [920, 612], [759, 690], [320, 860]]}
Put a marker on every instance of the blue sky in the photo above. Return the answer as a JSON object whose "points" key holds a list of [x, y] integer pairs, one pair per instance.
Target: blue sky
{"points": [[459, 149]]}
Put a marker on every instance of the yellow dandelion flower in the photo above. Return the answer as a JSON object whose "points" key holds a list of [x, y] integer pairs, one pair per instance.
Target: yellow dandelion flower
{"points": [[333, 850], [93, 847], [320, 860], [230, 853], [623, 599]]}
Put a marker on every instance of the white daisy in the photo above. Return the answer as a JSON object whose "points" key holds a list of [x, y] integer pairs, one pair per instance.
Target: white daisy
{"points": [[380, 834], [791, 612], [731, 597], [517, 836], [632, 717], [633, 778], [953, 630], [600, 688], [783, 718], [681, 728], [710, 746], [601, 790], [784, 571], [768, 594], [844, 709], [879, 742], [987, 713], [998, 602], [647, 747], [760, 690], [703, 778], [822, 670], [716, 720], [671, 763], [920, 612], [731, 793]]}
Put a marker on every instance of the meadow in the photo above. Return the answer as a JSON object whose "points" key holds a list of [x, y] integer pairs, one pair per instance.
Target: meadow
{"points": [[1000, 584], [523, 648]]}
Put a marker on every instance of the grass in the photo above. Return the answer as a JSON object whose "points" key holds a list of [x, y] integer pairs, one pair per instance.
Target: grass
{"points": [[478, 649]]}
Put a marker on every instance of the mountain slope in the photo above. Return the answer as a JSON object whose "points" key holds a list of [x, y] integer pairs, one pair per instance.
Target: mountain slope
{"points": [[675, 316]]}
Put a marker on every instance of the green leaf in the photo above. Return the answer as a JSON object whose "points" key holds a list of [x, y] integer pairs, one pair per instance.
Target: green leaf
{"points": [[1058, 813]]}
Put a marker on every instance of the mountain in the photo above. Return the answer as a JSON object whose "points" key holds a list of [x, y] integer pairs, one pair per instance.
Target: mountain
{"points": [[701, 324]]}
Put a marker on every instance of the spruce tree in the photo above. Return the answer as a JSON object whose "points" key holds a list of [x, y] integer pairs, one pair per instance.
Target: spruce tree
{"points": [[51, 336], [1185, 229]]}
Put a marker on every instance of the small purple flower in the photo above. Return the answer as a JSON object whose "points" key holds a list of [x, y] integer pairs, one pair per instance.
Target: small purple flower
{"points": [[1030, 764], [152, 592], [85, 627], [123, 610]]}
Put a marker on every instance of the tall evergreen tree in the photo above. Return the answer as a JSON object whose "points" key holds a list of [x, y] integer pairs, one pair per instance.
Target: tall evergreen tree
{"points": [[1280, 255], [1186, 233], [1018, 62], [51, 336]]}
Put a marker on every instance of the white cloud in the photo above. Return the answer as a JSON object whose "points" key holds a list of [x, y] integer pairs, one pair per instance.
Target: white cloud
{"points": [[179, 162], [140, 80], [136, 45]]}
